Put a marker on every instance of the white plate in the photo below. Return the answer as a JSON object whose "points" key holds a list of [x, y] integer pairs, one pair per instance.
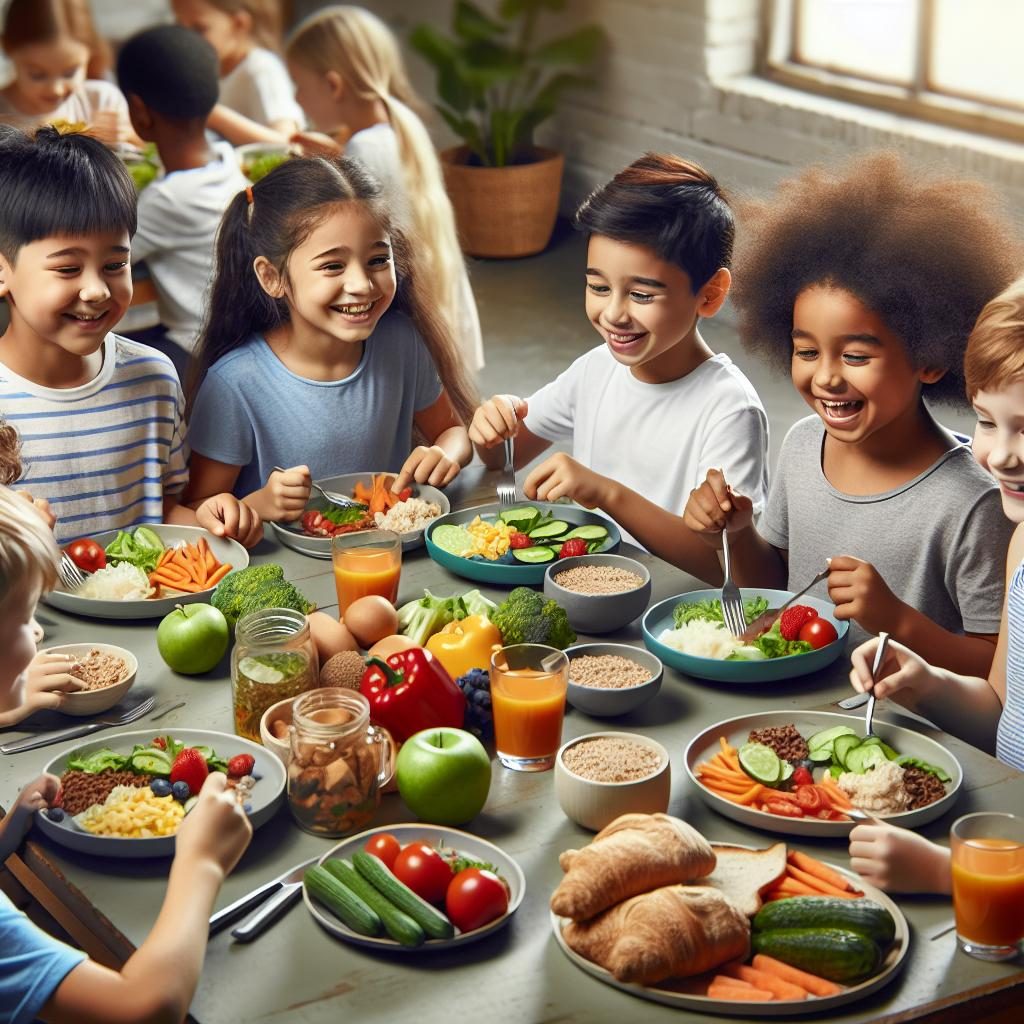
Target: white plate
{"points": [[905, 741], [291, 535], [677, 995], [467, 844], [224, 550], [266, 796]]}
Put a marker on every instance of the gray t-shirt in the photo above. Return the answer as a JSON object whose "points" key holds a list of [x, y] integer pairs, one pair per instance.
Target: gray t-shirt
{"points": [[939, 540]]}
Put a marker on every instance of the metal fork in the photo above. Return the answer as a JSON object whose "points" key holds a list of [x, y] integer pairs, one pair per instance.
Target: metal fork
{"points": [[70, 575], [330, 496], [45, 739], [732, 602], [507, 489], [869, 711]]}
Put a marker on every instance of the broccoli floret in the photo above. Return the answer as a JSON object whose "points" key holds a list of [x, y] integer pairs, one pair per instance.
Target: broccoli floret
{"points": [[527, 617], [278, 594], [255, 587]]}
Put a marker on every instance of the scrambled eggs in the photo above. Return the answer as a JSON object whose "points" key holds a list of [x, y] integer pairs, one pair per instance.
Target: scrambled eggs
{"points": [[133, 813], [490, 540]]}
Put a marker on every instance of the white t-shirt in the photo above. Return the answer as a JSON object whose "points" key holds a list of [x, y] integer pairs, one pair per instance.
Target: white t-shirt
{"points": [[178, 219], [81, 106], [658, 439], [259, 88]]}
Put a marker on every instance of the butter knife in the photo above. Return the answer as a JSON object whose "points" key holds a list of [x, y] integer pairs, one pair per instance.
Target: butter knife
{"points": [[289, 881]]}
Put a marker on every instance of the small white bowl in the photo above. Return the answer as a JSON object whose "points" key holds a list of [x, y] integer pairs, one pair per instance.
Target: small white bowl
{"points": [[609, 701], [279, 712], [596, 804], [92, 702]]}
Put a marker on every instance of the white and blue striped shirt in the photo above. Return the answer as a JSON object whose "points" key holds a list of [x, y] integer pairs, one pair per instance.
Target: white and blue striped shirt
{"points": [[1010, 737], [103, 454]]}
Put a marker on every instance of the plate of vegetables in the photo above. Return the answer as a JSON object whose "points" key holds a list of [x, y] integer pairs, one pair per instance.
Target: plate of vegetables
{"points": [[412, 887], [145, 571], [258, 159], [796, 772], [688, 633], [514, 546]]}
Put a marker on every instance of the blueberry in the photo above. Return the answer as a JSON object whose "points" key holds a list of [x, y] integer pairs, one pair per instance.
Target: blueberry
{"points": [[55, 813], [247, 808], [256, 776], [181, 791], [160, 787]]}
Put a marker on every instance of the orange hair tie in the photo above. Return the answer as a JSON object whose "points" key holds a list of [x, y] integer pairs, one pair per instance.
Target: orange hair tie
{"points": [[248, 194]]}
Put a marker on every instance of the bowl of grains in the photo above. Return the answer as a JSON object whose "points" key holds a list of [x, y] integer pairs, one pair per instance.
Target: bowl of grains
{"points": [[603, 775], [600, 593], [611, 679], [106, 672]]}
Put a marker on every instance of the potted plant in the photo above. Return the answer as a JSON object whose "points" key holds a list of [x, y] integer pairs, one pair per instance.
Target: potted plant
{"points": [[496, 84]]}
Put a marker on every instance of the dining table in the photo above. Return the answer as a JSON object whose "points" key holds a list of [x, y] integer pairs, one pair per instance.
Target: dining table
{"points": [[298, 973]]}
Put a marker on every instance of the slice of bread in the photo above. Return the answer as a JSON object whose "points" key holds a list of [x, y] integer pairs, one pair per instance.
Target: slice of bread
{"points": [[743, 875]]}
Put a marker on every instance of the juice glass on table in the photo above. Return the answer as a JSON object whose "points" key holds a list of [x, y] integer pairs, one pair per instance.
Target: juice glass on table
{"points": [[366, 562], [528, 687], [988, 884]]}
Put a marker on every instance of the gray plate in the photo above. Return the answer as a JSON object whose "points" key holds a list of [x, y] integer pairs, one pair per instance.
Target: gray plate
{"points": [[292, 536], [905, 741], [224, 550], [267, 794]]}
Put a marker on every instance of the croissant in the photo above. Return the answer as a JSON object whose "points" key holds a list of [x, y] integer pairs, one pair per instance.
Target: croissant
{"points": [[634, 854], [674, 931]]}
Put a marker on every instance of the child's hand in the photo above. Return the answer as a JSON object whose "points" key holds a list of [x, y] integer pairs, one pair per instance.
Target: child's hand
{"points": [[898, 860], [315, 144], [903, 671], [42, 507], [225, 516], [46, 681], [216, 831], [563, 477], [287, 493], [713, 506], [36, 796], [499, 417], [859, 592], [426, 466]]}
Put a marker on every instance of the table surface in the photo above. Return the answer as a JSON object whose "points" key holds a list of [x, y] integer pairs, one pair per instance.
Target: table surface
{"points": [[298, 973]]}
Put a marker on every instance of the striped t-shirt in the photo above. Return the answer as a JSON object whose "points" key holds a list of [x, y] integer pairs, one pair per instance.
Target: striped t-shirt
{"points": [[103, 454], [1010, 737]]}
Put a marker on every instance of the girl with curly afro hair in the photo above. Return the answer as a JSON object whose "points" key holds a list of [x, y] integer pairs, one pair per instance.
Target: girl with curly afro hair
{"points": [[866, 283]]}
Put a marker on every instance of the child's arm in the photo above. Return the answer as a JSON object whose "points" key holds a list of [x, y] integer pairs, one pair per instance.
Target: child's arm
{"points": [[898, 860], [239, 129], [282, 498], [36, 796], [439, 463], [222, 514], [46, 682], [160, 978], [500, 417]]}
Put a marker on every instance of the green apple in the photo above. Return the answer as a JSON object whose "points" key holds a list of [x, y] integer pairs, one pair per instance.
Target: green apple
{"points": [[443, 775], [192, 638]]}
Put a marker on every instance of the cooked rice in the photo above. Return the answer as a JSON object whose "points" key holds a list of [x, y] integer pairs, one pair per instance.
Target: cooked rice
{"points": [[611, 759], [607, 671], [598, 579], [408, 516]]}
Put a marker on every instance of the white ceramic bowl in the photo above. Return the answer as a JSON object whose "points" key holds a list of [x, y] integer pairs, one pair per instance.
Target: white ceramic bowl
{"points": [[599, 613], [92, 702], [607, 702], [279, 712], [595, 804]]}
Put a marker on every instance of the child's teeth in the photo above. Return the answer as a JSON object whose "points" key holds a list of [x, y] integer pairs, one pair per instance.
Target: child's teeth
{"points": [[362, 308]]}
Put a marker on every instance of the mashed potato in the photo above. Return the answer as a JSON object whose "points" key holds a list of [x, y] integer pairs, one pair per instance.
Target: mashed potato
{"points": [[701, 639], [881, 789]]}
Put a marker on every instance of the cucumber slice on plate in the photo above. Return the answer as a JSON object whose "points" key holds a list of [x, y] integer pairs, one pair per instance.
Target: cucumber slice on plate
{"points": [[588, 531], [761, 763], [520, 518], [863, 757], [453, 539], [823, 740], [548, 531], [534, 555], [842, 745]]}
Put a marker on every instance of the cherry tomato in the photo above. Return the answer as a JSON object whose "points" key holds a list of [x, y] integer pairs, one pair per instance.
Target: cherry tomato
{"points": [[385, 847], [809, 799], [424, 870], [475, 897], [818, 633], [802, 776], [87, 555], [783, 808]]}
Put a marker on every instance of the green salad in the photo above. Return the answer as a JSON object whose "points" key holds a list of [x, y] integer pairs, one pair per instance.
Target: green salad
{"points": [[769, 645]]}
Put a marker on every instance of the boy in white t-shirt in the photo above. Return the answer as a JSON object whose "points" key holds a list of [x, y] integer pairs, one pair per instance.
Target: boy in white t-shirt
{"points": [[653, 408], [169, 75]]}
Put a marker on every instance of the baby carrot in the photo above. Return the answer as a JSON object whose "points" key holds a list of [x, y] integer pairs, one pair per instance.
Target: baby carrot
{"points": [[818, 884], [815, 985], [732, 990], [819, 870], [214, 578], [779, 987], [788, 886], [187, 587]]}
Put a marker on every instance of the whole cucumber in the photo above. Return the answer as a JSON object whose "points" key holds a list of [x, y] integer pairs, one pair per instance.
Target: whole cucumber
{"points": [[399, 926], [834, 953], [860, 915], [340, 900]]}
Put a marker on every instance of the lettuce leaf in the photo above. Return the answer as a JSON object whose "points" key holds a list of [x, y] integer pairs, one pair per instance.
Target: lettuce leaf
{"points": [[711, 610], [772, 644]]}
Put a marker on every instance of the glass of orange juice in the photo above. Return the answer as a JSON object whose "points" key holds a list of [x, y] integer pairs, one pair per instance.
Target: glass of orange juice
{"points": [[528, 687], [366, 562], [988, 884]]}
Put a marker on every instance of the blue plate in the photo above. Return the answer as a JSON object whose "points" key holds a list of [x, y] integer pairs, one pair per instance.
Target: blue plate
{"points": [[659, 618], [501, 573]]}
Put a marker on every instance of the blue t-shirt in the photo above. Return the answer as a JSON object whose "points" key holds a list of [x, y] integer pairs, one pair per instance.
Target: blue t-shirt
{"points": [[253, 412], [32, 965]]}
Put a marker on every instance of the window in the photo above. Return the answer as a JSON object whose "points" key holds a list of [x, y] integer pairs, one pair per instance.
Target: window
{"points": [[953, 61]]}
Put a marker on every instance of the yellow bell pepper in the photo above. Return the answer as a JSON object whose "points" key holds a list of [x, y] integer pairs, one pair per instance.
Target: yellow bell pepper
{"points": [[465, 644]]}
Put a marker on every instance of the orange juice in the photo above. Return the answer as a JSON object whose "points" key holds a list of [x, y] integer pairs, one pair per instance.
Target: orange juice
{"points": [[366, 570], [988, 891], [529, 706]]}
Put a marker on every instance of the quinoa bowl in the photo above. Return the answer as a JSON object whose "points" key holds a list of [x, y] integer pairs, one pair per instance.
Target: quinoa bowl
{"points": [[108, 672], [606, 680], [600, 593]]}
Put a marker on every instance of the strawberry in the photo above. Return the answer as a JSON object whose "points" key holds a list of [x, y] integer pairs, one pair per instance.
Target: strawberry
{"points": [[519, 540], [190, 767], [573, 548], [241, 764], [793, 620]]}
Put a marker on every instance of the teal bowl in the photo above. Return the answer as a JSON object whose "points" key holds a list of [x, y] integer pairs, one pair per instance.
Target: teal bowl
{"points": [[500, 573], [659, 618]]}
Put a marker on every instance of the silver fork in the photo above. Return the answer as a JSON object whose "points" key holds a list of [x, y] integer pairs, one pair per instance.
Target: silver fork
{"points": [[869, 711], [45, 739], [70, 575], [335, 499], [732, 602], [507, 489]]}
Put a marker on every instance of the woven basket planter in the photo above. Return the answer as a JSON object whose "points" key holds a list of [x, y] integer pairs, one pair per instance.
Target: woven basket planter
{"points": [[504, 212]]}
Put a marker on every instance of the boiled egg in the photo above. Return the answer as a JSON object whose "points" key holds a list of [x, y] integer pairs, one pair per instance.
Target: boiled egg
{"points": [[370, 619]]}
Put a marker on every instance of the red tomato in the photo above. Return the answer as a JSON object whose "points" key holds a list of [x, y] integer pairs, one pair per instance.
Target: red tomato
{"points": [[385, 847], [802, 776], [424, 870], [87, 555], [818, 633], [475, 897], [809, 798], [783, 808]]}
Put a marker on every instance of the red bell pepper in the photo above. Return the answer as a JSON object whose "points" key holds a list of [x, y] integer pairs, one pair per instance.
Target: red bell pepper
{"points": [[411, 691]]}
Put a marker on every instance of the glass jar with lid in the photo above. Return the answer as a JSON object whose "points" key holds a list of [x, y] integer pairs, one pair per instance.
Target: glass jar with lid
{"points": [[274, 657], [338, 764]]}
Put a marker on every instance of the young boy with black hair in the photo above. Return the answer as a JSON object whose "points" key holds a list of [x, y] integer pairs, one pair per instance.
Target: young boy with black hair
{"points": [[170, 76]]}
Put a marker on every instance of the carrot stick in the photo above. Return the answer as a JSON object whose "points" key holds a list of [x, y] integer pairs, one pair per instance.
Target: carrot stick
{"points": [[728, 989], [819, 870], [791, 887], [188, 588], [815, 985], [819, 884], [727, 777], [838, 796], [779, 987], [214, 578], [165, 556], [171, 572]]}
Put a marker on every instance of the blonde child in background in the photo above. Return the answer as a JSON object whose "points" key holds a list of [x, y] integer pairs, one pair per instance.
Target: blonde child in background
{"points": [[352, 84], [257, 102], [321, 350], [974, 708], [40, 977], [50, 45]]}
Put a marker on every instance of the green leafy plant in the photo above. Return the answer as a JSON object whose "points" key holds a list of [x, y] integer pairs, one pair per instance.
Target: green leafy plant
{"points": [[496, 82]]}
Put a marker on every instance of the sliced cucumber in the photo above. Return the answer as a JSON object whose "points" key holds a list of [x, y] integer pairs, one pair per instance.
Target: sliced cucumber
{"points": [[823, 740], [843, 745], [588, 531], [150, 762], [546, 531], [520, 518], [820, 756], [876, 741], [534, 555], [836, 770], [761, 763], [787, 771], [453, 539], [863, 757]]}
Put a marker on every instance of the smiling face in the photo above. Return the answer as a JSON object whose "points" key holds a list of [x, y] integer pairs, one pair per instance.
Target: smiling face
{"points": [[68, 291], [17, 640], [47, 73], [850, 368], [999, 443]]}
